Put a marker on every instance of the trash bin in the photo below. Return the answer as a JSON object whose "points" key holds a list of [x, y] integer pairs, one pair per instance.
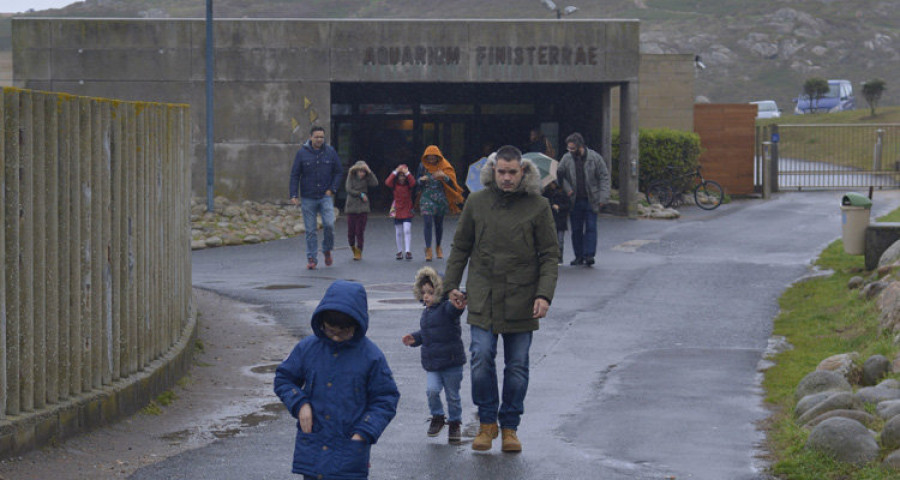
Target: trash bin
{"points": [[855, 209]]}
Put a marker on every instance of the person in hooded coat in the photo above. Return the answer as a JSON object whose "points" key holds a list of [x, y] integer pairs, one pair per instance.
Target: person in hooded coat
{"points": [[507, 237], [359, 180], [338, 385], [439, 194]]}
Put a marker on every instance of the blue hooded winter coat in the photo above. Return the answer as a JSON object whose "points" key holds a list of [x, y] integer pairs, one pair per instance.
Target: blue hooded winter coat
{"points": [[348, 385]]}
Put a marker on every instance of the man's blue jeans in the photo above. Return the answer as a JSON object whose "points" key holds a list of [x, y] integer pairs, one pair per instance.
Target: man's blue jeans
{"points": [[310, 208], [485, 395], [448, 380], [584, 229]]}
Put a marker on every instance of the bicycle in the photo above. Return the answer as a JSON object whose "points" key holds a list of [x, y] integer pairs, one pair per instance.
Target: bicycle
{"points": [[708, 194]]}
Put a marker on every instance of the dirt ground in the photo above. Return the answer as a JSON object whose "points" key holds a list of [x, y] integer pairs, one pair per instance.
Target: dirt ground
{"points": [[228, 389]]}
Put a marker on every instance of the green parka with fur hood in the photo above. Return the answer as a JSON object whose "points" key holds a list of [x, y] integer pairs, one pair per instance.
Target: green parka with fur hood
{"points": [[509, 241]]}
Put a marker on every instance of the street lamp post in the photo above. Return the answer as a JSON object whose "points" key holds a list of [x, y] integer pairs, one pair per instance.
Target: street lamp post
{"points": [[551, 5]]}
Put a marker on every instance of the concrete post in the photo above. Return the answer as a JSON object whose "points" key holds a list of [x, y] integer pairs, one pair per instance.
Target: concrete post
{"points": [[606, 125], [39, 232], [11, 210], [117, 227], [84, 248], [106, 319], [628, 150], [96, 248], [4, 388], [26, 249], [52, 289]]}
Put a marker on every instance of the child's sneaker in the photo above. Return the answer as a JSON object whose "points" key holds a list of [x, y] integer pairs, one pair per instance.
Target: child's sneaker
{"points": [[399, 255], [408, 256], [437, 424], [453, 433]]}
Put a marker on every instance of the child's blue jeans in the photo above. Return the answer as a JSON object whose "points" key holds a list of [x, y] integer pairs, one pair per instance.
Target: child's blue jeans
{"points": [[449, 380]]}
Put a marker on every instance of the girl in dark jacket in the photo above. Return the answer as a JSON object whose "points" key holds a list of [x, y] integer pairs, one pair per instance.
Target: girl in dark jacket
{"points": [[338, 386], [443, 354]]}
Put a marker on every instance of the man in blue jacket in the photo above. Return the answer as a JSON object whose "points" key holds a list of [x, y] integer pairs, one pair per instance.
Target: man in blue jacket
{"points": [[317, 171], [338, 386]]}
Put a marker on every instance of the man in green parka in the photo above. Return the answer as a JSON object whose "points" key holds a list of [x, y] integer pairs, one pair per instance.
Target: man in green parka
{"points": [[507, 237]]}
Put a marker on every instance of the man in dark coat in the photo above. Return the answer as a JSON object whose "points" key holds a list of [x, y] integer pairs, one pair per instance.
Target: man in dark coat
{"points": [[317, 171], [507, 237]]}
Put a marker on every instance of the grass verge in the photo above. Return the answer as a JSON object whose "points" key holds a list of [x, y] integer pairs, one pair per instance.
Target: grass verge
{"points": [[820, 317]]}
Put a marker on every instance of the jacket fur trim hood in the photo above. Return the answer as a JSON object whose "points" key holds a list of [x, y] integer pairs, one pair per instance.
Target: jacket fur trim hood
{"points": [[428, 275], [531, 180], [359, 165]]}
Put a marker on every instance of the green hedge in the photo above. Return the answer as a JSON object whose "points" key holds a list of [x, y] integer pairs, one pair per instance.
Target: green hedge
{"points": [[659, 148]]}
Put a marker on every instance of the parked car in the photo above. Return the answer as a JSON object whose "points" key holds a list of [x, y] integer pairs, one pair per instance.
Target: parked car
{"points": [[767, 109], [839, 98]]}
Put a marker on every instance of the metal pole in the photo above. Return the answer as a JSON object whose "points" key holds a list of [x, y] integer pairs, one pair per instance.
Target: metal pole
{"points": [[210, 175]]}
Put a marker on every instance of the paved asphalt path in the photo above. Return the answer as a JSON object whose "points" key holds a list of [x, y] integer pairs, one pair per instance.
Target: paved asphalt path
{"points": [[646, 367]]}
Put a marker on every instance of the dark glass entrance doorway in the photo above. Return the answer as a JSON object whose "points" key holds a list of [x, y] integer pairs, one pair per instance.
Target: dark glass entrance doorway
{"points": [[389, 124]]}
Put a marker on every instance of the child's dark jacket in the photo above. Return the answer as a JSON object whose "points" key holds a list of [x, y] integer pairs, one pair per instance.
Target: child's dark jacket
{"points": [[561, 216], [440, 337], [348, 385]]}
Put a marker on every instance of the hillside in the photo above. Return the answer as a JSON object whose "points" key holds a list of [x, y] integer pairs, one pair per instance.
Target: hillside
{"points": [[753, 49]]}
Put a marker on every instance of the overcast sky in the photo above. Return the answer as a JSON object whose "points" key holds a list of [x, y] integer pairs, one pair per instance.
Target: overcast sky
{"points": [[19, 6]]}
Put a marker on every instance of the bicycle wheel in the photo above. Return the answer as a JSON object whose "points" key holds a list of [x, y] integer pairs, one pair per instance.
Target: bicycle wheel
{"points": [[709, 195], [661, 193]]}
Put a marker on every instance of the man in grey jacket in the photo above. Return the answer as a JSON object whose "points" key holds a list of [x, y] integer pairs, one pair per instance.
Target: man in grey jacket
{"points": [[583, 175]]}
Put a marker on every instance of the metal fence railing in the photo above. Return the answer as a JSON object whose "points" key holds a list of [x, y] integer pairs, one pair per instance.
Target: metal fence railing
{"points": [[95, 244], [830, 156]]}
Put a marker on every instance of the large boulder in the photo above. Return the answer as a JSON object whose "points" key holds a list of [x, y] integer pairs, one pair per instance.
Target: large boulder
{"points": [[865, 418], [822, 381], [810, 401], [889, 304], [888, 409], [890, 256], [892, 460], [837, 401], [890, 434], [874, 369], [842, 363], [877, 394], [844, 439]]}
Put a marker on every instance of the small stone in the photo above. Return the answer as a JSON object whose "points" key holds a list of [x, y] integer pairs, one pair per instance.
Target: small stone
{"points": [[252, 239], [198, 244], [855, 282], [214, 242]]}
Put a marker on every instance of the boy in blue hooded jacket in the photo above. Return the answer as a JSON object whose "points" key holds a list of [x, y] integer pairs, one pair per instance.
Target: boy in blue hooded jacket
{"points": [[338, 385]]}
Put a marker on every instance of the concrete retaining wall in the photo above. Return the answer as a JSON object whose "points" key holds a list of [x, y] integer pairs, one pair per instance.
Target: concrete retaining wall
{"points": [[96, 256]]}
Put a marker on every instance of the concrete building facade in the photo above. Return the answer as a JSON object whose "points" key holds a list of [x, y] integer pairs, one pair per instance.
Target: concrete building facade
{"points": [[383, 89]]}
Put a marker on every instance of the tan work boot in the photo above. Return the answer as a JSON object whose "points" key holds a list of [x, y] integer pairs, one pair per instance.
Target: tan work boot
{"points": [[439, 252], [487, 432], [357, 253], [428, 254], [511, 442]]}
